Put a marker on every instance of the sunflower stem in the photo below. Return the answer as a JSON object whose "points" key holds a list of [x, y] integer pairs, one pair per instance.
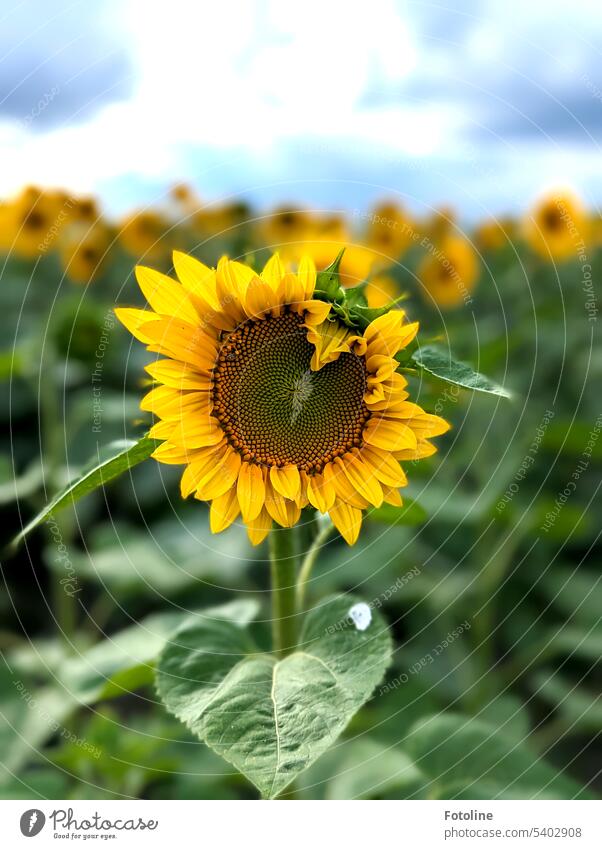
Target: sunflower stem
{"points": [[283, 559], [310, 559]]}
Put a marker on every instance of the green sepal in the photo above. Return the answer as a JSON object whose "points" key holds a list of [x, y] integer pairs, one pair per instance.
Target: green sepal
{"points": [[328, 281]]}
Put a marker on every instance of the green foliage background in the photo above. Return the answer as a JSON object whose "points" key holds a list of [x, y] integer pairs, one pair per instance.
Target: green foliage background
{"points": [[490, 583]]}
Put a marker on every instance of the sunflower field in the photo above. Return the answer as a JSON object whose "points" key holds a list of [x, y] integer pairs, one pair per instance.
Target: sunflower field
{"points": [[299, 503]]}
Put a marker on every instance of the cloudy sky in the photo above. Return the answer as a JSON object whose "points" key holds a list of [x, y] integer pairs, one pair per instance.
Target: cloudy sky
{"points": [[321, 102]]}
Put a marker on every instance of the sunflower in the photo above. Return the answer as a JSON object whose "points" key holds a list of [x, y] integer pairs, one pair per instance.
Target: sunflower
{"points": [[492, 234], [183, 194], [557, 226], [84, 210], [144, 233], [31, 222], [285, 225], [440, 224], [83, 258], [390, 230], [221, 220], [270, 401], [449, 272]]}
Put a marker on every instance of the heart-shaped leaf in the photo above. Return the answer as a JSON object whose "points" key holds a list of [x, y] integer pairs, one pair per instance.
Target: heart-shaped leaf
{"points": [[272, 718]]}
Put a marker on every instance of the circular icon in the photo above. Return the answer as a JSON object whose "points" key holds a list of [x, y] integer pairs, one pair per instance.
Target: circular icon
{"points": [[32, 822]]}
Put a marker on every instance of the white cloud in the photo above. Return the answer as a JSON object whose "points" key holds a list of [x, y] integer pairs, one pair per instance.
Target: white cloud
{"points": [[252, 81]]}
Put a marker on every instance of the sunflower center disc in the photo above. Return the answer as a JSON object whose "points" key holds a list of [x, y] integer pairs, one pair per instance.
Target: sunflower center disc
{"points": [[273, 409]]}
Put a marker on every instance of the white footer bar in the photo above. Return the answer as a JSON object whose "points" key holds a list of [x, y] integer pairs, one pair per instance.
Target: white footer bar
{"points": [[302, 825]]}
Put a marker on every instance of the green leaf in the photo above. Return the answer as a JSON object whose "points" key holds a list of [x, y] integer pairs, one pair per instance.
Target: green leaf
{"points": [[468, 759], [125, 661], [410, 513], [30, 715], [112, 461], [180, 552], [14, 489], [11, 364], [579, 709], [272, 718], [370, 770], [438, 363]]}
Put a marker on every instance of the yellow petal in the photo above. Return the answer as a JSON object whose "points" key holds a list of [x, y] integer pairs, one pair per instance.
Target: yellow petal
{"points": [[384, 466], [174, 454], [387, 392], [196, 470], [192, 431], [273, 272], [330, 339], [361, 478], [388, 434], [321, 493], [307, 276], [387, 334], [168, 403], [164, 295], [392, 497], [259, 298], [199, 281], [162, 430], [259, 528], [423, 449], [183, 342], [426, 425], [347, 520], [301, 499], [403, 409], [223, 511], [159, 397], [313, 312], [135, 320], [344, 489], [286, 481], [196, 278], [250, 491], [231, 282], [380, 368], [177, 375], [220, 478], [290, 290], [283, 511]]}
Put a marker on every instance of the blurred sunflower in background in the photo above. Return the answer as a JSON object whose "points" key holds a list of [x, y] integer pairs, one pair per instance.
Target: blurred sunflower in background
{"points": [[83, 256], [557, 226], [440, 224], [270, 401], [492, 234], [84, 210], [221, 219], [390, 230], [30, 222], [143, 233], [285, 225], [449, 272]]}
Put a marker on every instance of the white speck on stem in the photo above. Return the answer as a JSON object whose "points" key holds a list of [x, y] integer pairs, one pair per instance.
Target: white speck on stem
{"points": [[361, 615]]}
